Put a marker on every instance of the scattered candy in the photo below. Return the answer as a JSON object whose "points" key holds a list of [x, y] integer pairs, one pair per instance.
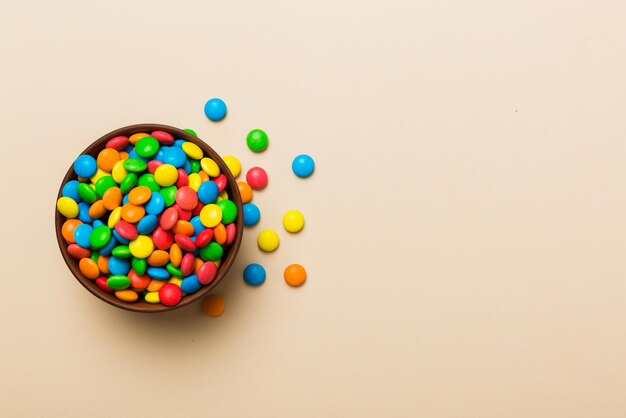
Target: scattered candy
{"points": [[303, 165], [254, 274], [295, 275], [215, 109], [268, 240], [251, 214], [257, 140], [233, 165], [213, 305], [293, 221], [257, 178]]}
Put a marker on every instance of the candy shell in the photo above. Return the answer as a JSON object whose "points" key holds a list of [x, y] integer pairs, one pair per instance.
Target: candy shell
{"points": [[141, 247], [67, 207], [186, 198], [293, 221], [207, 273], [257, 178], [254, 274], [295, 275], [213, 306], [268, 240], [85, 166], [257, 140], [215, 109], [170, 294]]}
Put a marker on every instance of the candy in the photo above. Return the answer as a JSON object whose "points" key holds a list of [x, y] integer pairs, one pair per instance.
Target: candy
{"points": [[293, 221], [257, 140], [192, 150], [268, 240], [245, 191], [70, 189], [254, 274], [119, 143], [89, 268], [166, 175], [112, 198], [127, 295], [170, 294], [190, 284], [210, 215], [101, 282], [233, 165], [207, 273], [187, 198], [67, 207], [67, 230], [169, 218], [228, 209], [303, 165], [215, 109], [147, 146], [256, 178], [163, 137], [213, 305], [87, 193], [211, 252], [210, 167], [107, 159], [85, 166], [118, 282], [295, 275], [141, 247], [251, 214], [139, 195], [100, 236], [207, 192], [82, 233]]}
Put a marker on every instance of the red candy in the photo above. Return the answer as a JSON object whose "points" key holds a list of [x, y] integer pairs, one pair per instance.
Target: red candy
{"points": [[138, 282], [187, 264], [102, 284], [221, 182], [170, 294], [196, 211], [231, 233], [118, 143], [126, 230], [169, 218], [162, 239], [163, 137], [207, 272], [186, 198], [153, 165], [183, 215], [256, 178], [184, 242], [204, 237], [183, 178], [78, 252]]}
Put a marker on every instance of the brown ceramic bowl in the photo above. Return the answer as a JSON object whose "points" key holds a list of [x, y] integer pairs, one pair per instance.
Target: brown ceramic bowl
{"points": [[230, 252]]}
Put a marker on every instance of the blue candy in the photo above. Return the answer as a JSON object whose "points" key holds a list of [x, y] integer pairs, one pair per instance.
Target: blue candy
{"points": [[303, 165], [108, 249], [215, 109], [71, 190], [187, 167], [82, 233], [158, 273], [97, 223], [125, 199], [174, 156], [156, 204], [208, 192], [190, 284], [120, 238], [197, 225], [251, 214], [159, 155], [133, 154], [83, 212], [85, 166], [147, 224], [254, 274], [179, 143], [119, 266]]}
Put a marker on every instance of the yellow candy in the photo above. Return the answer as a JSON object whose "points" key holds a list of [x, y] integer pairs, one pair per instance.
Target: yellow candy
{"points": [[293, 221], [218, 263], [195, 181], [210, 215], [233, 165], [210, 167], [268, 240], [166, 175], [193, 151], [176, 281], [119, 172], [99, 174], [152, 297], [222, 196], [69, 208], [141, 247], [114, 217]]}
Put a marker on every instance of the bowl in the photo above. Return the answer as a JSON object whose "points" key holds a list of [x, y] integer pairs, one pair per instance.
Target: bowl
{"points": [[230, 252]]}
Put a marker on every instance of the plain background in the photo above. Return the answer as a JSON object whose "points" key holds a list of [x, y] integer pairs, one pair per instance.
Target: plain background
{"points": [[466, 223]]}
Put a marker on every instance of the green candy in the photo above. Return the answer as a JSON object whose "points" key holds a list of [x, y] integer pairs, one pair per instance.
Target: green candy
{"points": [[211, 252], [229, 210], [195, 166], [169, 195], [191, 131], [100, 237], [87, 193], [135, 165], [149, 181], [121, 251], [103, 184], [257, 140], [118, 282], [94, 256], [128, 182], [147, 146], [139, 265], [174, 271]]}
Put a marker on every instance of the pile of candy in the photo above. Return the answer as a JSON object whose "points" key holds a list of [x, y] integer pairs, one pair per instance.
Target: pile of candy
{"points": [[149, 217]]}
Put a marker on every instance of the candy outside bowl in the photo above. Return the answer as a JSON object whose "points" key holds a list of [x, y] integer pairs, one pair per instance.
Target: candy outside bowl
{"points": [[230, 251]]}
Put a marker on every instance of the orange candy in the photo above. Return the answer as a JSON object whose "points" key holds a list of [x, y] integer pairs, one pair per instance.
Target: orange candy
{"points": [[136, 137], [132, 213], [219, 234], [123, 155], [183, 227], [112, 198], [67, 230], [139, 195], [89, 268], [295, 275], [176, 255], [155, 285], [197, 264], [158, 258], [107, 159], [213, 305], [245, 190], [103, 264], [127, 295], [97, 209], [203, 176]]}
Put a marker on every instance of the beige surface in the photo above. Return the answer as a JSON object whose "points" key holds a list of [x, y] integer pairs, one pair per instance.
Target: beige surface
{"points": [[466, 226]]}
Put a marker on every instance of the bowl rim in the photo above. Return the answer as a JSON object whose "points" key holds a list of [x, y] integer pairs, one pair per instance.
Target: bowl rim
{"points": [[93, 149]]}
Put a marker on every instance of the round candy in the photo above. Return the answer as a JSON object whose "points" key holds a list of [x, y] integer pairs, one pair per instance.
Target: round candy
{"points": [[141, 247], [139, 195], [295, 275], [119, 266], [67, 207], [85, 166], [82, 233], [251, 214], [147, 224], [211, 252], [112, 198], [187, 198], [257, 140], [89, 268], [293, 221], [70, 189], [245, 191], [132, 213], [164, 138], [207, 273], [303, 165], [67, 230], [127, 295], [229, 210], [170, 294], [174, 156], [213, 305], [166, 175], [254, 274], [156, 204], [135, 165], [192, 150], [268, 240], [190, 284], [210, 215], [107, 158], [118, 282], [233, 165], [147, 146], [207, 192], [215, 109], [100, 236], [256, 178]]}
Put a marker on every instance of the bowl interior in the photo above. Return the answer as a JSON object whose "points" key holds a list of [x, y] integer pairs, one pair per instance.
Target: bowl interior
{"points": [[230, 252]]}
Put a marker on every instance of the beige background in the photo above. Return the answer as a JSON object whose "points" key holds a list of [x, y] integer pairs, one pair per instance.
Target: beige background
{"points": [[466, 225]]}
